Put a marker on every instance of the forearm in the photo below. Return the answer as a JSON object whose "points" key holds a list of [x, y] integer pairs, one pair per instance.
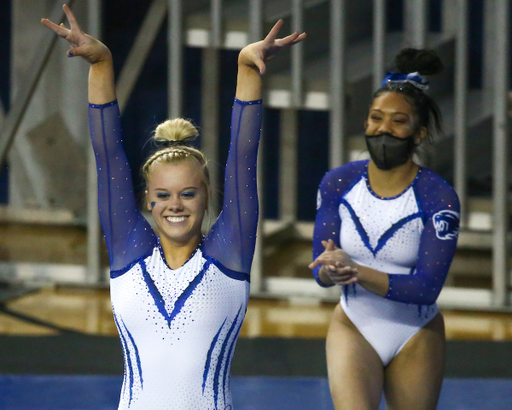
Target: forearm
{"points": [[248, 86], [373, 280], [101, 81]]}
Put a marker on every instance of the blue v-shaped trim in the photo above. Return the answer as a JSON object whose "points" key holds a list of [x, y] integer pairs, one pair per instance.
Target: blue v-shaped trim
{"points": [[385, 236], [180, 302]]}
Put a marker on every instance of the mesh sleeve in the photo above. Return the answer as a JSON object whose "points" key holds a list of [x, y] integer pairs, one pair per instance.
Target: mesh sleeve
{"points": [[437, 246], [233, 236], [328, 221], [127, 233]]}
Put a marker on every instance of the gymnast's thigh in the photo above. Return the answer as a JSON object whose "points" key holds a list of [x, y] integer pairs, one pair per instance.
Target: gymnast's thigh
{"points": [[355, 369], [414, 377]]}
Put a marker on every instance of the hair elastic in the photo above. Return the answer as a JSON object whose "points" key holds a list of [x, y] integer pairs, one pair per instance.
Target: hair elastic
{"points": [[416, 79], [162, 144]]}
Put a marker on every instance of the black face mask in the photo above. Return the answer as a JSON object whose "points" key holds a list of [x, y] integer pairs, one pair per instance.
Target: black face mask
{"points": [[388, 151]]}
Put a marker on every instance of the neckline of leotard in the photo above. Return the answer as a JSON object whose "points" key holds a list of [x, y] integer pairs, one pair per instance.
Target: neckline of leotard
{"points": [[162, 255], [386, 198]]}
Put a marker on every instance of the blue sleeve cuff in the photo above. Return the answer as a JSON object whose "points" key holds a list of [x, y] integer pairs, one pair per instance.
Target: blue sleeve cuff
{"points": [[109, 104], [248, 102]]}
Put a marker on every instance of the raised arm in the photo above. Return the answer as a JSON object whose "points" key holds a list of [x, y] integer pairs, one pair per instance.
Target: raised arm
{"points": [[233, 236], [127, 233]]}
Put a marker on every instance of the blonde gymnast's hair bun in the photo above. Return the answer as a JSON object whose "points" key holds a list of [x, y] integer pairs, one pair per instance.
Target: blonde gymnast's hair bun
{"points": [[174, 141], [177, 131]]}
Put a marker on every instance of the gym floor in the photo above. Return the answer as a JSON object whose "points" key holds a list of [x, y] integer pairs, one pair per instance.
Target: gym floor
{"points": [[60, 349]]}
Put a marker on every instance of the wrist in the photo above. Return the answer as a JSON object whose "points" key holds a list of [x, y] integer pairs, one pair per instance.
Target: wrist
{"points": [[324, 277], [105, 58]]}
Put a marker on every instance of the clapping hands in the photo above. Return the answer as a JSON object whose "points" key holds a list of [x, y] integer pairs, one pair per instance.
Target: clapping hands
{"points": [[337, 264]]}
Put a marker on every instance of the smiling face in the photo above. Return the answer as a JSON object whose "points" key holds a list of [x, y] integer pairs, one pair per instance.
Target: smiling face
{"points": [[177, 198], [391, 113]]}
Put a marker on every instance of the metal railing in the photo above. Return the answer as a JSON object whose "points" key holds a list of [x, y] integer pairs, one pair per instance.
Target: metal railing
{"points": [[415, 11]]}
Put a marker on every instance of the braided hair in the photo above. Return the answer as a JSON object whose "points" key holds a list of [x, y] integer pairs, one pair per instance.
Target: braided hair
{"points": [[174, 138]]}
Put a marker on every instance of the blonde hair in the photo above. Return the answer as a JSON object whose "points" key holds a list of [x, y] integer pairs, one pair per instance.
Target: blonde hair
{"points": [[175, 135]]}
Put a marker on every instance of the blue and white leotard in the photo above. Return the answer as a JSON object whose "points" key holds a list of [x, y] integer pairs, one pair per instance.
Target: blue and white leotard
{"points": [[412, 237], [178, 327]]}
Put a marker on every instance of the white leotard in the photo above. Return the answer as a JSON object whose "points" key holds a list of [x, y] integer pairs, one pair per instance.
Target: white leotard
{"points": [[412, 237], [178, 327]]}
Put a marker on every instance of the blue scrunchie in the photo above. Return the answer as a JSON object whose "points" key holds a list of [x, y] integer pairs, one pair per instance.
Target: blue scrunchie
{"points": [[413, 78]]}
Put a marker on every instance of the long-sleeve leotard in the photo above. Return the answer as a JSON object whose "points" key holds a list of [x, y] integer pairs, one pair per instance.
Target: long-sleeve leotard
{"points": [[178, 327], [128, 235], [411, 237]]}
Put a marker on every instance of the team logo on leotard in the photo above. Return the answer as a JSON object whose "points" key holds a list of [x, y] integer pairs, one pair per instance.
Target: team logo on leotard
{"points": [[318, 200], [447, 224]]}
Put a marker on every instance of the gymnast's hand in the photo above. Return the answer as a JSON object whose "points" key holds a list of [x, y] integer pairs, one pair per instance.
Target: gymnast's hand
{"points": [[336, 264], [257, 54], [82, 45]]}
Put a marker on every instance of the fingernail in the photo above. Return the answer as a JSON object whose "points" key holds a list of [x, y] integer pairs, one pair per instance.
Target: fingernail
{"points": [[70, 54]]}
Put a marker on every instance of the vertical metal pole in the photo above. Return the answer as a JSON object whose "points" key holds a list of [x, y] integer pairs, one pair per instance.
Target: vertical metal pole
{"points": [[175, 58], [489, 50], [500, 163], [461, 92], [297, 54], [210, 120], [379, 36], [257, 280], [216, 17], [93, 222], [255, 20], [337, 74], [289, 126], [288, 160], [210, 101], [416, 23], [450, 16]]}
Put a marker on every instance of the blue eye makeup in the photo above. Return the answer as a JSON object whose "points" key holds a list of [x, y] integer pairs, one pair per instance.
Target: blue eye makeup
{"points": [[162, 195], [189, 194]]}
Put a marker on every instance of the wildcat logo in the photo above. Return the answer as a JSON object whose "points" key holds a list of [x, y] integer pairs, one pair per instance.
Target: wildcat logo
{"points": [[446, 224]]}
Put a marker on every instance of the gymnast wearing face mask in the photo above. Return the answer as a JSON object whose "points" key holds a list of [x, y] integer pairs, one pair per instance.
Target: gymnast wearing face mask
{"points": [[386, 231]]}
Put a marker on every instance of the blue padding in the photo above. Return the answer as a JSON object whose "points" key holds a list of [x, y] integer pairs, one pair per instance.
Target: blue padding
{"points": [[249, 393]]}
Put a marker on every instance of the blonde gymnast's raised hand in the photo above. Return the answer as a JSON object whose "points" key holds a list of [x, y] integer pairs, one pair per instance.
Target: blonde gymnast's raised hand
{"points": [[257, 54], [82, 45], [336, 264]]}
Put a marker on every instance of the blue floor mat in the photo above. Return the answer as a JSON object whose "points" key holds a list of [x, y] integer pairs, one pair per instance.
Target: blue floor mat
{"points": [[249, 393]]}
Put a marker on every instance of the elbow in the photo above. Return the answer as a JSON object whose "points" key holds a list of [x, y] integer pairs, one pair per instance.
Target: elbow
{"points": [[427, 301], [424, 292], [429, 292], [429, 295]]}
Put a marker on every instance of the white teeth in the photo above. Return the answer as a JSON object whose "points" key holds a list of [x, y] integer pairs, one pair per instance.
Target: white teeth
{"points": [[175, 219]]}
